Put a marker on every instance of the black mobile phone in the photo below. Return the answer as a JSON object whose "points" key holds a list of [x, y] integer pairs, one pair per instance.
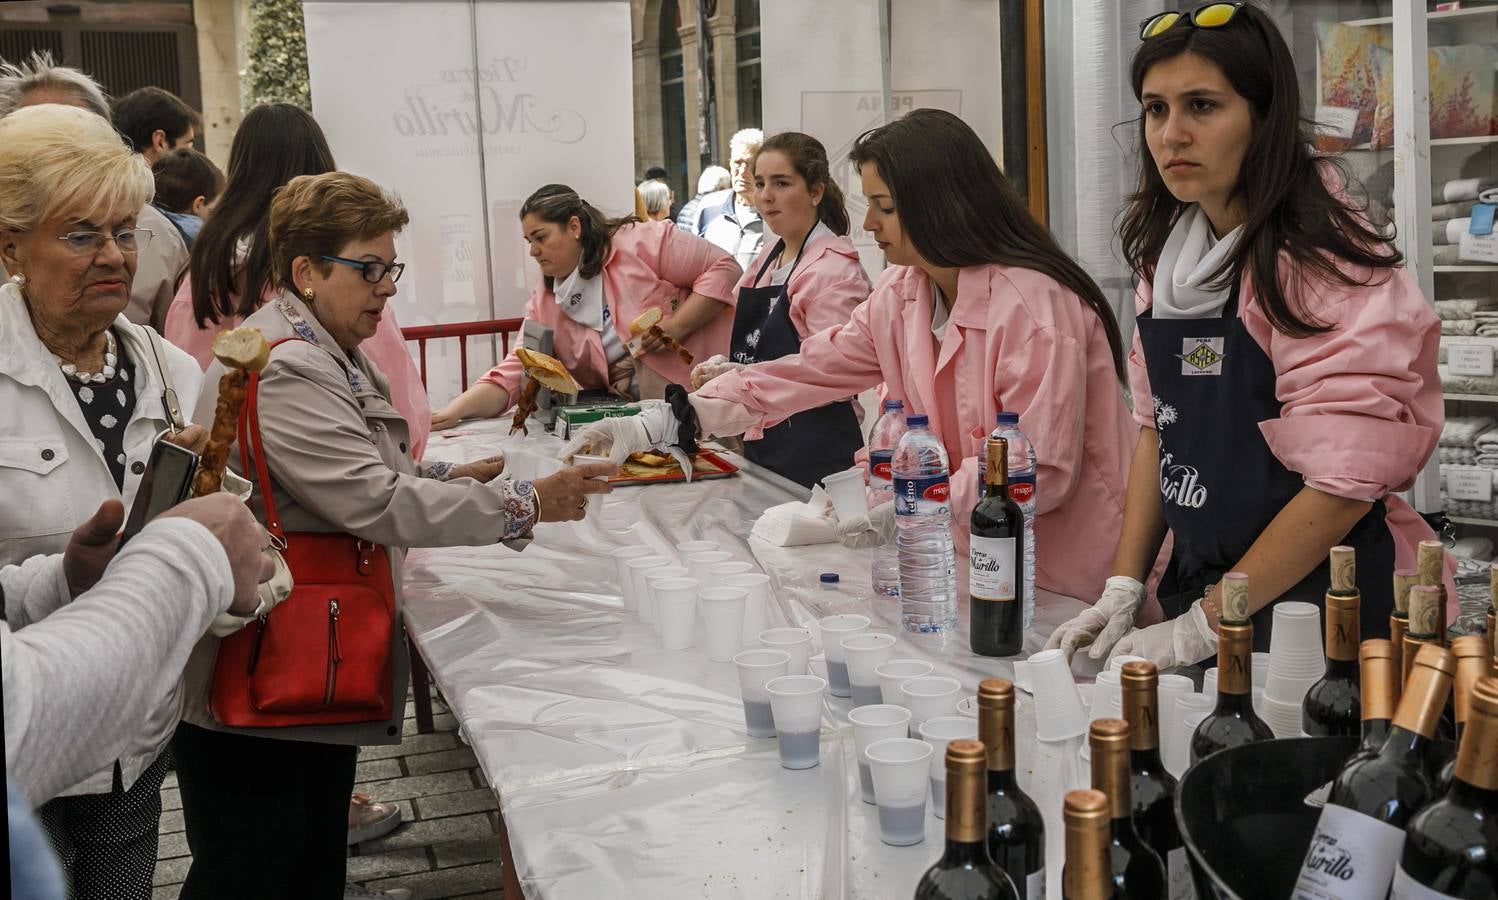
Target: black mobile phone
{"points": [[166, 482]]}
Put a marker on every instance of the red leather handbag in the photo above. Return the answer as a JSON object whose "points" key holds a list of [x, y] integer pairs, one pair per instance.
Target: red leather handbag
{"points": [[323, 655]]}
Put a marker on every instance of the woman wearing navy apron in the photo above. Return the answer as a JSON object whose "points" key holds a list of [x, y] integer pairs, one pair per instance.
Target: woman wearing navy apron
{"points": [[1284, 363], [809, 281]]}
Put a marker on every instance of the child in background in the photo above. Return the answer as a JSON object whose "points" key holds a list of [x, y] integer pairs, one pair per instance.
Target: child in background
{"points": [[187, 183]]}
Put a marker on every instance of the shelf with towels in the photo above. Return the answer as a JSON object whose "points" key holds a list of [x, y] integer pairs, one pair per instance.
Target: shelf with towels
{"points": [[1429, 17], [1467, 520], [1474, 398]]}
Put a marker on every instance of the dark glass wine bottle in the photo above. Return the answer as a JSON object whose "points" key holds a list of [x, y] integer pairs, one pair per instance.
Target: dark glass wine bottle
{"points": [[1376, 661], [1016, 830], [1450, 847], [996, 554], [1472, 662], [1233, 721], [1333, 705], [1086, 874], [1399, 623], [1430, 562], [1137, 870], [1360, 834], [965, 870], [1152, 789]]}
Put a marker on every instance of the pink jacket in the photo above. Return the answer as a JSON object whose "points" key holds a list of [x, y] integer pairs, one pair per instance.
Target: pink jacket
{"points": [[1362, 406], [387, 350], [1016, 340], [827, 284], [650, 264]]}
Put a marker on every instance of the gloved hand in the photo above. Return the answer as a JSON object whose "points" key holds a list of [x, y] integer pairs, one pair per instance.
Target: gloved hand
{"points": [[1102, 625], [711, 368], [654, 428], [874, 528], [1181, 641]]}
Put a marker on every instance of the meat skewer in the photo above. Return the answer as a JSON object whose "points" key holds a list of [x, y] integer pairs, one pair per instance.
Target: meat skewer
{"points": [[540, 371], [242, 350], [648, 323]]}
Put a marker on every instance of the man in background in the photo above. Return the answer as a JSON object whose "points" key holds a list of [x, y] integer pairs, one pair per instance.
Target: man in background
{"points": [[728, 218]]}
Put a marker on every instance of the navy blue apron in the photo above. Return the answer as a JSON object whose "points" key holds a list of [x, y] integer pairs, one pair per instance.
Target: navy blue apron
{"points": [[810, 445], [1220, 484]]}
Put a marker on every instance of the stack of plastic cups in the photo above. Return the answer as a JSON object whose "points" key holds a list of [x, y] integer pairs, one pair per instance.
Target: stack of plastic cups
{"points": [[833, 629], [1117, 663], [1107, 702], [1189, 724], [901, 769], [929, 697], [719, 571], [1169, 688], [700, 563], [1209, 682], [1297, 661], [638, 566], [756, 586], [687, 548], [1060, 731], [795, 641], [896, 672], [877, 722], [864, 654], [1261, 666], [758, 668], [1190, 710], [723, 614], [622, 555], [676, 611], [938, 732], [796, 701], [652, 579]]}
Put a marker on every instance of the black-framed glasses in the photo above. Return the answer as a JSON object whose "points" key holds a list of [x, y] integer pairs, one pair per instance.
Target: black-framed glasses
{"points": [[372, 270], [1210, 15], [89, 243]]}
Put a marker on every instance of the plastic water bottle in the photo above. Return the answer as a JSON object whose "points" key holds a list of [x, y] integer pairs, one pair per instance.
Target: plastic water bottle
{"points": [[882, 442], [1022, 492], [923, 531]]}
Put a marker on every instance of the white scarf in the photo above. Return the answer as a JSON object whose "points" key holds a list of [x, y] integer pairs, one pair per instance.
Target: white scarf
{"points": [[1190, 258], [581, 299]]}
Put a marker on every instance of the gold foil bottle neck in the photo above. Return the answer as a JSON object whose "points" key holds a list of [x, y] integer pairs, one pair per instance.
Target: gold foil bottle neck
{"points": [[1425, 611], [1472, 663], [1477, 757], [1378, 673], [1234, 593], [1086, 875], [1109, 739], [1140, 681], [998, 461], [1342, 626], [1425, 690], [1344, 572], [967, 816], [1235, 651], [996, 722]]}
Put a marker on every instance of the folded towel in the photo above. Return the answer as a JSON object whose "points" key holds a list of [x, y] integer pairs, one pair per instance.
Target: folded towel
{"points": [[1488, 196], [1485, 315], [1446, 255], [1457, 456], [1486, 442], [1485, 460], [797, 524], [1486, 329], [1479, 548], [1465, 308], [1467, 384], [1460, 190], [1463, 431], [1459, 326], [1449, 231]]}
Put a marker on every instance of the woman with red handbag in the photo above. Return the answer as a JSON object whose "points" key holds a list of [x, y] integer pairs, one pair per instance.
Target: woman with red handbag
{"points": [[276, 712]]}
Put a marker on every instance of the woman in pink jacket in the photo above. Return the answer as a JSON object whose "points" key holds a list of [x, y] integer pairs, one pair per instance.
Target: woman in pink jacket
{"points": [[599, 276], [979, 312], [1284, 366], [809, 281]]}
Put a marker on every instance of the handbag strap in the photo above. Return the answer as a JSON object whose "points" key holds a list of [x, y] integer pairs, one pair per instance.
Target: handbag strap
{"points": [[249, 433]]}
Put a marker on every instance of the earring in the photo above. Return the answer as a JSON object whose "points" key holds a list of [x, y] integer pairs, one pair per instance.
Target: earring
{"points": [[18, 280], [308, 294]]}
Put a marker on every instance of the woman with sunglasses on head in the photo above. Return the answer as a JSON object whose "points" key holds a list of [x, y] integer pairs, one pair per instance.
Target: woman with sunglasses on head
{"points": [[979, 311], [1284, 365]]}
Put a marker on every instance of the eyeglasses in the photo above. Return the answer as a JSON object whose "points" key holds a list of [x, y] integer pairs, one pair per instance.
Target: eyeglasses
{"points": [[372, 270], [1211, 15], [131, 240]]}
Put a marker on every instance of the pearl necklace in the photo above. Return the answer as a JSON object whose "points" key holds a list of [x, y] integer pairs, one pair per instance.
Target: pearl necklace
{"points": [[110, 360]]}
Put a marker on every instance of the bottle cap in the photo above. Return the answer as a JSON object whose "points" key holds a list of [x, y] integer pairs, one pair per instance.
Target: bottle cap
{"points": [[830, 578], [893, 404], [916, 421], [1008, 418]]}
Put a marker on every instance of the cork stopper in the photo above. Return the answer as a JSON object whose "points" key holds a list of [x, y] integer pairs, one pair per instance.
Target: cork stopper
{"points": [[1425, 611], [1493, 586], [1234, 589], [1344, 571], [1431, 562], [1404, 579]]}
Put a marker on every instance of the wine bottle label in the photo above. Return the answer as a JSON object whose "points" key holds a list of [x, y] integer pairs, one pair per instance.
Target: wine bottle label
{"points": [[1352, 856], [993, 568], [922, 496], [1179, 865], [1407, 888], [1035, 885]]}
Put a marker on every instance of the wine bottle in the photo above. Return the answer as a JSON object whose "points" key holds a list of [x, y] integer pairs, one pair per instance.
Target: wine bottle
{"points": [[1016, 830], [1086, 875], [1399, 622], [1137, 870], [1376, 660], [1472, 661], [965, 870], [1361, 830], [1233, 721], [1152, 789], [1333, 705], [1431, 564], [1425, 602], [1449, 847], [996, 554]]}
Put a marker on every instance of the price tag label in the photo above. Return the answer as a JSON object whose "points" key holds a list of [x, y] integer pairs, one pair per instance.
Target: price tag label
{"points": [[1336, 121], [1481, 248], [1469, 483], [1470, 359]]}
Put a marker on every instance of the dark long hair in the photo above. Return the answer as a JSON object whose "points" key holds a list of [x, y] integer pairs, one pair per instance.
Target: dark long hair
{"points": [[959, 210], [557, 204], [275, 143], [1282, 183], [809, 158]]}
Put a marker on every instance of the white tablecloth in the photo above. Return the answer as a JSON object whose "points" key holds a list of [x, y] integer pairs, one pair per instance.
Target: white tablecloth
{"points": [[623, 770]]}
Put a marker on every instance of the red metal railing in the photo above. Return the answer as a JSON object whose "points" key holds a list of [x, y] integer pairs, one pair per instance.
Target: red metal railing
{"points": [[462, 331]]}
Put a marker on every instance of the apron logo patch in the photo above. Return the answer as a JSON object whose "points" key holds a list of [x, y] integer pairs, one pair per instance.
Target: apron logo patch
{"points": [[1180, 484], [1201, 356]]}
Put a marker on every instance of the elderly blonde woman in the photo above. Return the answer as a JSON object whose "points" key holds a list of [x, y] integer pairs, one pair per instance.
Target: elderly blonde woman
{"points": [[84, 393], [339, 455]]}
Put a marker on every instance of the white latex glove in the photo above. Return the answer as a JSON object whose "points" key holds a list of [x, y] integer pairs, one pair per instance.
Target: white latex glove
{"points": [[1181, 641], [874, 528], [711, 368], [654, 428], [1104, 623]]}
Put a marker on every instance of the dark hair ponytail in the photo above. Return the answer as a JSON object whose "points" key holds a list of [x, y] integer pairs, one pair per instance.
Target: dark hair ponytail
{"points": [[1289, 209], [558, 204], [809, 158]]}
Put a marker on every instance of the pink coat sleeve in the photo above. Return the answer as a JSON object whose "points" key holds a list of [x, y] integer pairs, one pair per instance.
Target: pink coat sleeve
{"points": [[389, 353], [690, 262], [828, 294], [1139, 376], [507, 373], [181, 329]]}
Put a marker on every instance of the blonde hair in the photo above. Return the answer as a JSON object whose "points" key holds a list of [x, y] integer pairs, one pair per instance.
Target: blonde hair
{"points": [[317, 215], [61, 160], [656, 196]]}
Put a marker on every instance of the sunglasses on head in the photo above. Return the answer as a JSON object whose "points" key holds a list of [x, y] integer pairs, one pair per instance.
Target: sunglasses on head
{"points": [[1211, 15]]}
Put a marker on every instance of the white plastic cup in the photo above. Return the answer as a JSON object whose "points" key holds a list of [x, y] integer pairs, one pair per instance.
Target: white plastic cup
{"points": [[1178, 754], [723, 611], [1107, 696], [1189, 725], [1168, 688], [895, 672], [968, 706], [626, 584], [676, 611], [1296, 656], [1261, 667], [901, 769], [638, 566], [795, 641], [720, 571], [939, 732], [877, 722], [758, 668], [756, 586], [1284, 719], [863, 654], [796, 701], [834, 629], [1058, 706], [687, 548], [661, 573], [704, 560], [930, 696], [1209, 682], [1117, 663], [849, 496]]}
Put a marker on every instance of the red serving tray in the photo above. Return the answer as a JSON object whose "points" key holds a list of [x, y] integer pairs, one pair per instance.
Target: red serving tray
{"points": [[724, 470]]}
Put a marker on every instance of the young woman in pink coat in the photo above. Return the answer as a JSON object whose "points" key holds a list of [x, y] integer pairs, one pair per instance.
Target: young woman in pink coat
{"points": [[810, 280], [599, 276], [1284, 364], [980, 311]]}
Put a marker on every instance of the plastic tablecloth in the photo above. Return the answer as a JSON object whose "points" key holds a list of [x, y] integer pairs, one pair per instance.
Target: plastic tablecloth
{"points": [[624, 770]]}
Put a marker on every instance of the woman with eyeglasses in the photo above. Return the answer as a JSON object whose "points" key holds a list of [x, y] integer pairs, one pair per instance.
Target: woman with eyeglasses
{"points": [[1284, 365]]}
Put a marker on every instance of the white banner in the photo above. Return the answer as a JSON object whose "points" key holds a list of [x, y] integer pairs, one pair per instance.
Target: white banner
{"points": [[465, 129]]}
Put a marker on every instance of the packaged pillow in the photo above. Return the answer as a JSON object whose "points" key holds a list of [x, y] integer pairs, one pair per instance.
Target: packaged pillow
{"points": [[1463, 93], [1348, 79]]}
